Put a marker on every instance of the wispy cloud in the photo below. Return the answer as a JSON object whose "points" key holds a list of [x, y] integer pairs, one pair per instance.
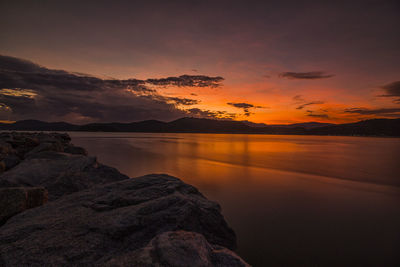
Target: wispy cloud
{"points": [[392, 90], [305, 75], [310, 103], [245, 106], [311, 113], [392, 112]]}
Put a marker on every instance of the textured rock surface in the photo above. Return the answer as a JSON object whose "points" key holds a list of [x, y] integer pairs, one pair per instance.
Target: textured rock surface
{"points": [[111, 221], [59, 173], [15, 200], [50, 161], [179, 248]]}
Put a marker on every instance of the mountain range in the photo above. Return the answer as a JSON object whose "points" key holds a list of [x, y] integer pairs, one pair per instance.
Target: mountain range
{"points": [[373, 127]]}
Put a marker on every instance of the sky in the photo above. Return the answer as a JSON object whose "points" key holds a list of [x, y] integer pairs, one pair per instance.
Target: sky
{"points": [[271, 62]]}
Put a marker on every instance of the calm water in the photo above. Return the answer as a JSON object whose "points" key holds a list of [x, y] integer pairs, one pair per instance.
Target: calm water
{"points": [[303, 200]]}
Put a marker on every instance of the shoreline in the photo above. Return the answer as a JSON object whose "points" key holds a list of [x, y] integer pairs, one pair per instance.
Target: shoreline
{"points": [[89, 211]]}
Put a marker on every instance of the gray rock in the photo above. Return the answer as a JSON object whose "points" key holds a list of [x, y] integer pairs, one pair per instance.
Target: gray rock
{"points": [[59, 173], [71, 149], [15, 200], [46, 146], [111, 224], [180, 249]]}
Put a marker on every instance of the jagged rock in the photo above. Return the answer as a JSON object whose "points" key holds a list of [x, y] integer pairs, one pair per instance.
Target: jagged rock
{"points": [[76, 150], [46, 146], [14, 200], [59, 173], [111, 224], [179, 249]]}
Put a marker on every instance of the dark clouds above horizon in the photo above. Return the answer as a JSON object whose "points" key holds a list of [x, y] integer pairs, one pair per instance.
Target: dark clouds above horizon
{"points": [[342, 53], [28, 90]]}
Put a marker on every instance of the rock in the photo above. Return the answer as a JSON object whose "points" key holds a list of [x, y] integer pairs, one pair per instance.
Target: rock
{"points": [[59, 173], [17, 199], [46, 146], [111, 224], [76, 150], [5, 148], [11, 161], [180, 249], [2, 166]]}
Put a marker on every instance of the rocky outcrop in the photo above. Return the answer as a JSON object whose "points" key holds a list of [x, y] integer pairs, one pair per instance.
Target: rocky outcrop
{"points": [[38, 159], [113, 223], [96, 216], [15, 200], [60, 173], [178, 248]]}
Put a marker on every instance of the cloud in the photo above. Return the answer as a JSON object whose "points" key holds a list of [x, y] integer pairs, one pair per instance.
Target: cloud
{"points": [[392, 90], [245, 106], [310, 103], [298, 98], [311, 113], [391, 112], [305, 75], [183, 101], [196, 112], [302, 103], [188, 81], [28, 90]]}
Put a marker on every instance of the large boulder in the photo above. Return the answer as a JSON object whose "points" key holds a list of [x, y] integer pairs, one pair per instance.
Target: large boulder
{"points": [[59, 173], [121, 223], [179, 249], [15, 200]]}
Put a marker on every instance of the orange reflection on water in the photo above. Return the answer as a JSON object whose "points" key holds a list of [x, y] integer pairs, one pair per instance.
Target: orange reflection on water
{"points": [[290, 199]]}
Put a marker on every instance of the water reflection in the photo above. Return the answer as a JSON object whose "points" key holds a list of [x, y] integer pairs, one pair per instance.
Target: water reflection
{"points": [[290, 199]]}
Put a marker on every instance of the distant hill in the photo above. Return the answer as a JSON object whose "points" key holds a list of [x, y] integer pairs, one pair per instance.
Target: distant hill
{"points": [[36, 125], [374, 127], [307, 125]]}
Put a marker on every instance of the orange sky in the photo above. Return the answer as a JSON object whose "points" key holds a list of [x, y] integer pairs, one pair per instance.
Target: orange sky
{"points": [[294, 61]]}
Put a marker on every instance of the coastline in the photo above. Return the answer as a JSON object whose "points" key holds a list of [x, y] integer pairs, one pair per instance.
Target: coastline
{"points": [[95, 215]]}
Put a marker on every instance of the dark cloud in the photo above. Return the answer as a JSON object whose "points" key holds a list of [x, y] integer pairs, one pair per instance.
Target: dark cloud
{"points": [[312, 113], [196, 112], [305, 75], [310, 103], [183, 101], [391, 112], [28, 90], [245, 106], [188, 81], [302, 103], [392, 90], [298, 98]]}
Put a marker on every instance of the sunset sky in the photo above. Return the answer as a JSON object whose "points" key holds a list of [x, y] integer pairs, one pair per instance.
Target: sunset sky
{"points": [[263, 61]]}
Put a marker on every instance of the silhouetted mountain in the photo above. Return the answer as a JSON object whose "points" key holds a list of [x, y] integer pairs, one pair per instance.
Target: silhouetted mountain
{"points": [[36, 125], [306, 125], [374, 127]]}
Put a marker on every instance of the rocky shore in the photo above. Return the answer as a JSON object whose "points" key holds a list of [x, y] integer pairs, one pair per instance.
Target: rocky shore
{"points": [[59, 206]]}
